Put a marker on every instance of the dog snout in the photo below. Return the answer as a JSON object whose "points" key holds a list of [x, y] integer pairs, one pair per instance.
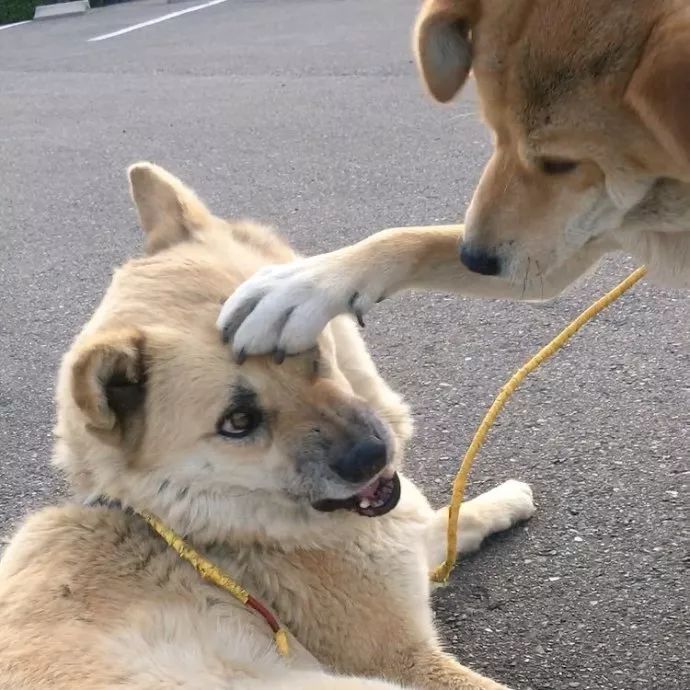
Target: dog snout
{"points": [[480, 260], [362, 461]]}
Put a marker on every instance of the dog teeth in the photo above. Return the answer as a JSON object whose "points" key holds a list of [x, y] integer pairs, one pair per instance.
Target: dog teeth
{"points": [[364, 503]]}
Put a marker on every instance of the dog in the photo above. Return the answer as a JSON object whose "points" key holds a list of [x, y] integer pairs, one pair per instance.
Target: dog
{"points": [[287, 477], [589, 106]]}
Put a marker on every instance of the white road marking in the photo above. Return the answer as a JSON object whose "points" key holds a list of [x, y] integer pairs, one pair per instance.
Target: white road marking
{"points": [[9, 26], [164, 18]]}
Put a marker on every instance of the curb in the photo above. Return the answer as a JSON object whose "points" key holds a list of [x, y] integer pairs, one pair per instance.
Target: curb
{"points": [[62, 9]]}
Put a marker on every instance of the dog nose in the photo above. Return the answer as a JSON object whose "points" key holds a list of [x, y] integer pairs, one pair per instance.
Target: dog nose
{"points": [[480, 261], [362, 461]]}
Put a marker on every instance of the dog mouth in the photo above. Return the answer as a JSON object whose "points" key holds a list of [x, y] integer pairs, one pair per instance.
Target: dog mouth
{"points": [[375, 499]]}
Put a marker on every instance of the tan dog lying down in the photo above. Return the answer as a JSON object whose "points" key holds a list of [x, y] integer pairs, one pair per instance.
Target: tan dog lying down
{"points": [[285, 476], [589, 105]]}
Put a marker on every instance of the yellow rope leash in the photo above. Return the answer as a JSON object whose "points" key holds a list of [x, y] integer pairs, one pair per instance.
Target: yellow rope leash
{"points": [[211, 572], [442, 572]]}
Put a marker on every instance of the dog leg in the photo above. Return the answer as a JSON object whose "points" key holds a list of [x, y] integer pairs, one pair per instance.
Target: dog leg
{"points": [[493, 511], [285, 307], [313, 680], [355, 362], [433, 669]]}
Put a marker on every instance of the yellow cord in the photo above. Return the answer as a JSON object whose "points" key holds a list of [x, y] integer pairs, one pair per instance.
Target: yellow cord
{"points": [[281, 639], [442, 572], [202, 565], [214, 574]]}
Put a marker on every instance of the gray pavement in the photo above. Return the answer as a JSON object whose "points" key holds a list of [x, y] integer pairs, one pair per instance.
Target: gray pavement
{"points": [[308, 114]]}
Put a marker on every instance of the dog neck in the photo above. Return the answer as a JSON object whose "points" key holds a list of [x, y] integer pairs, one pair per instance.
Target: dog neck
{"points": [[665, 208], [208, 514]]}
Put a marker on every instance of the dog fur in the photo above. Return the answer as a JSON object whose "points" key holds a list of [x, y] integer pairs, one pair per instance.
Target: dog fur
{"points": [[589, 105], [91, 598]]}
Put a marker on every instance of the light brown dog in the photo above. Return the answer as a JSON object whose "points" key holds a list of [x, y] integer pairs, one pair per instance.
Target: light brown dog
{"points": [[589, 105], [287, 477]]}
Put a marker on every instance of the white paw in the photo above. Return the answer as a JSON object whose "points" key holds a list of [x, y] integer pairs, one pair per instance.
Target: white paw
{"points": [[283, 309], [508, 503]]}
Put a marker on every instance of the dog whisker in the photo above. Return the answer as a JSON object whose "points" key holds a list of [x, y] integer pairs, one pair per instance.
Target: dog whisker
{"points": [[524, 281], [541, 278]]}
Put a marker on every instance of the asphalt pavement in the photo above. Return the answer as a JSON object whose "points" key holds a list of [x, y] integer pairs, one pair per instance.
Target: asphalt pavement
{"points": [[308, 114]]}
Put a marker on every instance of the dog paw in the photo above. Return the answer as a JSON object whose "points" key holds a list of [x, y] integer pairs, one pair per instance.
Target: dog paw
{"points": [[283, 309], [508, 504], [517, 499]]}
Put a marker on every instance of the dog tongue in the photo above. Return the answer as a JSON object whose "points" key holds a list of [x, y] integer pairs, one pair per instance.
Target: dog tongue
{"points": [[370, 490]]}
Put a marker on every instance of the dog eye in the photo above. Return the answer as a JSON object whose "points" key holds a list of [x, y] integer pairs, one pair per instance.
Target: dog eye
{"points": [[557, 166], [239, 422]]}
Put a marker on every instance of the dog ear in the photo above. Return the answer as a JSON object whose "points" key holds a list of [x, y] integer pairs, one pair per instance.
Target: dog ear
{"points": [[109, 385], [168, 210], [659, 91], [442, 44]]}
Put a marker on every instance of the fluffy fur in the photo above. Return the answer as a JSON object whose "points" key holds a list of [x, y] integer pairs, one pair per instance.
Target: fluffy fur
{"points": [[91, 598], [589, 105]]}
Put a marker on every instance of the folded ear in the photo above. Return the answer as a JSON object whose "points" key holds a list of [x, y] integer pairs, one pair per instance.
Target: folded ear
{"points": [[109, 385], [442, 44], [659, 90], [168, 210]]}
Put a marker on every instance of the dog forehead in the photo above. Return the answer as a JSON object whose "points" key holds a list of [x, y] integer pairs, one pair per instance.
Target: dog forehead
{"points": [[539, 62], [296, 370], [170, 289]]}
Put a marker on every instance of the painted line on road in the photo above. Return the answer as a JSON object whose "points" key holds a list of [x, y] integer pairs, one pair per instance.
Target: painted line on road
{"points": [[9, 26], [157, 20]]}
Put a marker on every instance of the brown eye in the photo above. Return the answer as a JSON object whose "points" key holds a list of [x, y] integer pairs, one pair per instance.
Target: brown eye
{"points": [[557, 166], [239, 422]]}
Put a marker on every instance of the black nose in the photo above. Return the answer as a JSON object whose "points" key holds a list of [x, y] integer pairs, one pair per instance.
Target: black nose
{"points": [[362, 461], [480, 261]]}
